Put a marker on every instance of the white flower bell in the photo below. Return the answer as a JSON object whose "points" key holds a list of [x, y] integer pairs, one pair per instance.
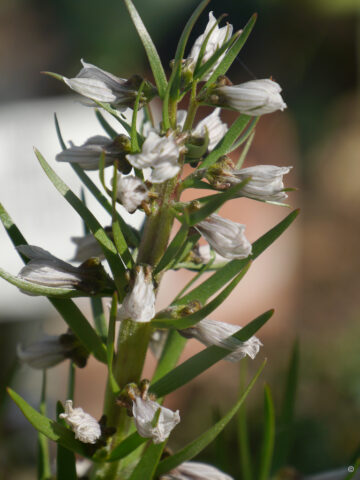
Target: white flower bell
{"points": [[195, 471], [131, 192], [213, 127]]}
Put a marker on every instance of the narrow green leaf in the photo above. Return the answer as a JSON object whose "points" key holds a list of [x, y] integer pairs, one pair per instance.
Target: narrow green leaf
{"points": [[232, 268], [185, 249], [105, 124], [99, 317], [67, 308], [131, 443], [203, 360], [114, 113], [213, 203], [244, 136], [65, 459], [173, 347], [153, 56], [134, 134], [233, 52], [284, 435], [148, 462], [99, 233], [43, 470], [53, 430], [202, 269], [268, 436], [110, 345], [242, 431], [228, 140], [196, 317], [196, 446], [245, 151], [58, 133], [71, 381], [172, 249]]}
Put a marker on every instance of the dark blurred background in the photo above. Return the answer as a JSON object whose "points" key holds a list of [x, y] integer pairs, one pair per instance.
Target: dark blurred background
{"points": [[312, 48]]}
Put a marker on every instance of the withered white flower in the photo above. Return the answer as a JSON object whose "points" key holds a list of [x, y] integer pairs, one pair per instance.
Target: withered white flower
{"points": [[139, 303], [152, 423], [195, 471], [266, 182], [216, 40], [213, 127], [159, 153], [97, 84], [87, 247], [44, 353], [131, 192], [87, 156], [211, 332], [256, 97], [85, 427], [227, 238], [47, 270]]}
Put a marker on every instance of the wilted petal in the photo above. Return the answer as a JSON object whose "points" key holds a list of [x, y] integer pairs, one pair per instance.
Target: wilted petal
{"points": [[227, 238], [139, 303], [195, 471], [144, 412], [131, 192], [159, 153], [211, 332], [85, 427], [256, 97], [213, 127]]}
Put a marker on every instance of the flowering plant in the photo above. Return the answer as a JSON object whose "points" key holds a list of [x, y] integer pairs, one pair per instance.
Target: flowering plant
{"points": [[148, 161]]}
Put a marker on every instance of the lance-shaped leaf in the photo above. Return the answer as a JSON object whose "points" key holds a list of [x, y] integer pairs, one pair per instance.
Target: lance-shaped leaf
{"points": [[67, 308], [232, 268], [170, 355], [134, 135], [192, 319], [212, 204], [105, 124], [43, 463], [99, 233], [148, 462], [233, 52], [203, 360], [245, 135], [172, 249], [267, 447], [226, 143], [197, 445], [131, 443], [53, 430], [150, 49], [110, 345], [65, 458]]}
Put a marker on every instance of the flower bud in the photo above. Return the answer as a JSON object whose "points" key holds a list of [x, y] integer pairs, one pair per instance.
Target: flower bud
{"points": [[87, 156], [131, 192], [159, 153], [47, 270], [101, 86], [211, 332], [256, 97], [226, 237], [195, 471], [139, 303], [85, 427]]}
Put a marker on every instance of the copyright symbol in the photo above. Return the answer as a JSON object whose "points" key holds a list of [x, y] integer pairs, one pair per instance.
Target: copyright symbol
{"points": [[350, 469]]}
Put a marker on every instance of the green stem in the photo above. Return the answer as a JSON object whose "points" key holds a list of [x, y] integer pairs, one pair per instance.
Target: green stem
{"points": [[193, 106]]}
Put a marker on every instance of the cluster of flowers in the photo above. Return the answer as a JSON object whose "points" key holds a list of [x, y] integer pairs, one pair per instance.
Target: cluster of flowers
{"points": [[159, 160]]}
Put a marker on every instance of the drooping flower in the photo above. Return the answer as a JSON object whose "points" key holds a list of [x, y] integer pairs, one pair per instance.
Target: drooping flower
{"points": [[211, 332], [213, 127], [101, 86], [131, 192], [226, 237], [52, 350], [265, 184], [256, 97], [216, 40], [85, 427], [152, 420], [139, 303], [86, 247], [159, 153], [47, 270], [87, 156], [195, 471]]}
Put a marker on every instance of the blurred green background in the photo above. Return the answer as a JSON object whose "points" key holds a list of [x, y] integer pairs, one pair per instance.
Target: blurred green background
{"points": [[312, 48]]}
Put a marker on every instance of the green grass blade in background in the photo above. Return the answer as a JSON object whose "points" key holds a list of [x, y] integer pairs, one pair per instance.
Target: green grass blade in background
{"points": [[195, 447], [67, 308], [43, 463], [49, 428], [267, 447], [148, 462], [203, 360], [153, 56], [285, 430], [65, 459], [242, 431]]}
